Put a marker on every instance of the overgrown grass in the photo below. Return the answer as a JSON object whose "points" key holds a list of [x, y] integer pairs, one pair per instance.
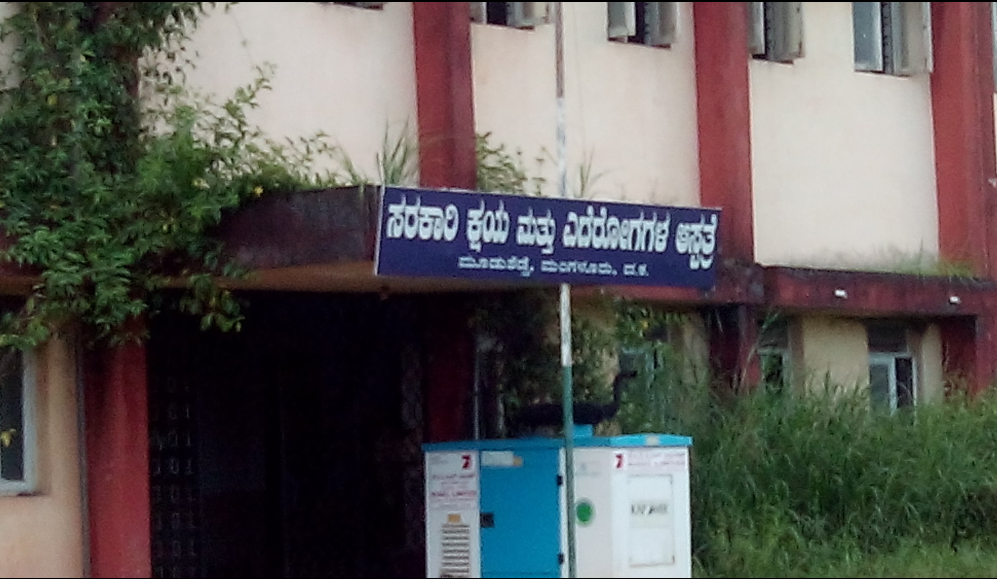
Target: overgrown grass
{"points": [[819, 485], [397, 162]]}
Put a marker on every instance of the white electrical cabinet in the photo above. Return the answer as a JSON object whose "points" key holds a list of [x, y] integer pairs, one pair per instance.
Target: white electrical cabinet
{"points": [[496, 508]]}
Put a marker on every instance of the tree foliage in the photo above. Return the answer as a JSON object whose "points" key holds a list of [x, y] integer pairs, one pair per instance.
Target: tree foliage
{"points": [[112, 175]]}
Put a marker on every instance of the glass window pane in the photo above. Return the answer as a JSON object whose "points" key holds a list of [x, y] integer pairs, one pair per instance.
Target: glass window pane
{"points": [[868, 36], [11, 416], [887, 337], [879, 385], [756, 28], [773, 370], [905, 382]]}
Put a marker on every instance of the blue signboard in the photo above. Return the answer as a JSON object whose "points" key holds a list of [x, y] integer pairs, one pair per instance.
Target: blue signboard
{"points": [[488, 236]]}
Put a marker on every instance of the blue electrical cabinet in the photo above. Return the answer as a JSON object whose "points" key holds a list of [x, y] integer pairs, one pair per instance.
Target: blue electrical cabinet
{"points": [[496, 508], [521, 514]]}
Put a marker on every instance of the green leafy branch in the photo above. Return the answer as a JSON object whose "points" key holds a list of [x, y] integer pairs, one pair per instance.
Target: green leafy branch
{"points": [[110, 197]]}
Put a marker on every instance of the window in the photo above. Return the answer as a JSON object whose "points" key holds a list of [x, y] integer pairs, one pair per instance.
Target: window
{"points": [[773, 354], [892, 374], [648, 23], [372, 5], [775, 30], [892, 37], [17, 435], [514, 14]]}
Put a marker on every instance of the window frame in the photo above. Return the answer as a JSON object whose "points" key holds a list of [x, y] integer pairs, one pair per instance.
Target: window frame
{"points": [[519, 15], [782, 355], [775, 31], [364, 5], [775, 343], [889, 342], [29, 417], [659, 19], [890, 360], [900, 43]]}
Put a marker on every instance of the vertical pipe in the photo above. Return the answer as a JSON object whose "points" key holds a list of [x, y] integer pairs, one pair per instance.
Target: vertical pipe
{"points": [[565, 298], [476, 389]]}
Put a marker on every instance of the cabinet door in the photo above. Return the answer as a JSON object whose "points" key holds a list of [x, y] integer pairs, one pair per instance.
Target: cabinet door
{"points": [[520, 516]]}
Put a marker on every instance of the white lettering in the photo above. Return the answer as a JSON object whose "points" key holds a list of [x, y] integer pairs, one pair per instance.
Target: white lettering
{"points": [[570, 236], [513, 263], [597, 229], [422, 222], [487, 226], [451, 223], [411, 228], [698, 241], [396, 220], [612, 233], [538, 231]]}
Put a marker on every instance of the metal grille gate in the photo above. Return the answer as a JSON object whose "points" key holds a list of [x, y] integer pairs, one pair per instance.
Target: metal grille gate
{"points": [[335, 437], [173, 489]]}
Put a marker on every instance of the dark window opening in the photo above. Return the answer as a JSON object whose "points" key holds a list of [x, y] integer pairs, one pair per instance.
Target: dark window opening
{"points": [[497, 13]]}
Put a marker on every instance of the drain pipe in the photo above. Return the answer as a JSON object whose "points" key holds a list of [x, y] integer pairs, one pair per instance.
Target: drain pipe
{"points": [[565, 300], [81, 443], [476, 389]]}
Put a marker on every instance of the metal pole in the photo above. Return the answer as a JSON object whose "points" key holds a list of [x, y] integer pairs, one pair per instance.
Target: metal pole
{"points": [[565, 318]]}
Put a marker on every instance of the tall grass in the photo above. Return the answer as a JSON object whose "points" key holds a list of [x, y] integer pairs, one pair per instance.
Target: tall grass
{"points": [[792, 485]]}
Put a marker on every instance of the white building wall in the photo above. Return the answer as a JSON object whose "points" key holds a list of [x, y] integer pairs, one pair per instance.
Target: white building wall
{"points": [[630, 109], [843, 161], [348, 72]]}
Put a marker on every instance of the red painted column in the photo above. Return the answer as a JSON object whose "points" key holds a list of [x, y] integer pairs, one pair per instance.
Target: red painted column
{"points": [[449, 375], [985, 335], [962, 110], [733, 333], [444, 94], [967, 351], [117, 438], [962, 87], [445, 102], [724, 121]]}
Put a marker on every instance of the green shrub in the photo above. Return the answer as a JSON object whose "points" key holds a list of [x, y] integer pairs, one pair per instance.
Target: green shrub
{"points": [[788, 485]]}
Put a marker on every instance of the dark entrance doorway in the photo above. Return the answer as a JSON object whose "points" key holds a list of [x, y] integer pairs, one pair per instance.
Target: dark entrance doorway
{"points": [[292, 448]]}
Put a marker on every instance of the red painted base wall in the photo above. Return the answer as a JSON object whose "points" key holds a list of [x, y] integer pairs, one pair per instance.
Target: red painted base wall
{"points": [[118, 462]]}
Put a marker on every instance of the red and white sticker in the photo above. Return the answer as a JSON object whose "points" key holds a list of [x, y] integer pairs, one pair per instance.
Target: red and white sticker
{"points": [[657, 460], [452, 480]]}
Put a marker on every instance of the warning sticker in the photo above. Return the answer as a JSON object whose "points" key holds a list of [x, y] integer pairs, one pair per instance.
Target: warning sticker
{"points": [[654, 461], [452, 480]]}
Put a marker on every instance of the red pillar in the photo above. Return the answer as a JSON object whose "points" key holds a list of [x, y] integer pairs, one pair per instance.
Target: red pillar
{"points": [[444, 94], [445, 102], [449, 375], [962, 109], [962, 87], [967, 351], [117, 439], [985, 362], [733, 333], [724, 121]]}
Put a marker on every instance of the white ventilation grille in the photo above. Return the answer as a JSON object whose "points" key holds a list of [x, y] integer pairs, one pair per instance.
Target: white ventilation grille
{"points": [[456, 546]]}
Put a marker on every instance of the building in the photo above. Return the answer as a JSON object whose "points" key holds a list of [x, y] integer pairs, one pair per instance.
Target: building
{"points": [[851, 147]]}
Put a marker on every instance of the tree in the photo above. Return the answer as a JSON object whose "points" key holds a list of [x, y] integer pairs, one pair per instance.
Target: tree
{"points": [[112, 175]]}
